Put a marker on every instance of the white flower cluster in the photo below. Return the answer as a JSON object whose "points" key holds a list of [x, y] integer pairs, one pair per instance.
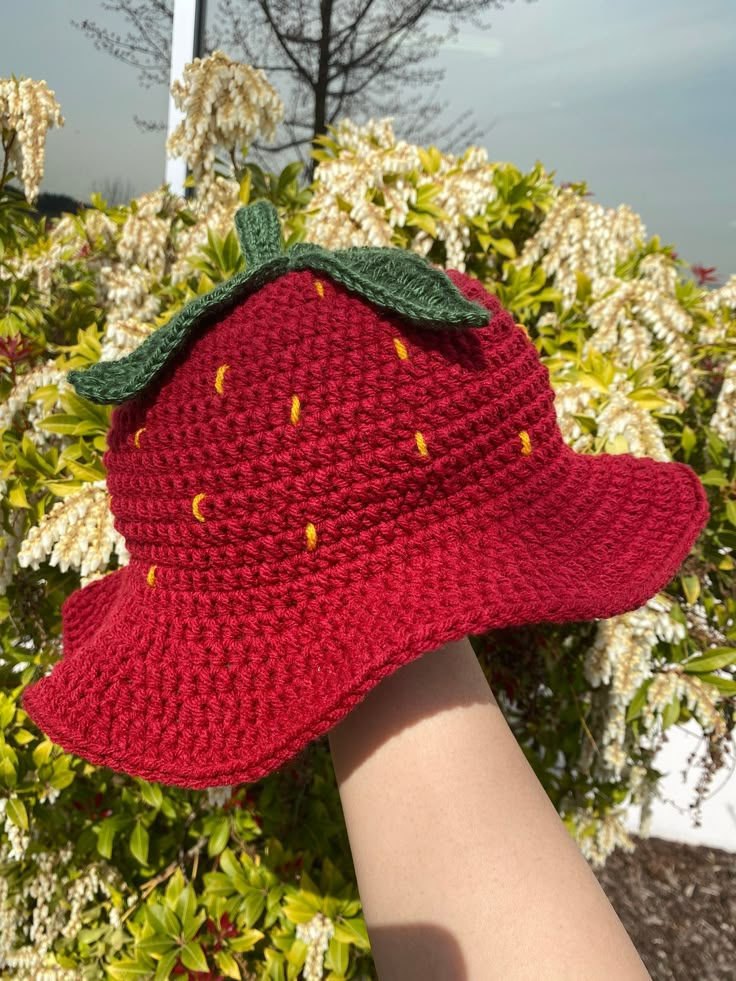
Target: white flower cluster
{"points": [[10, 543], [617, 417], [121, 337], [214, 206], [48, 906], [575, 399], [580, 237], [128, 293], [217, 796], [621, 658], [28, 109], [376, 175], [630, 313], [145, 235], [317, 934], [700, 698], [723, 420], [78, 533], [227, 105], [21, 394], [598, 837], [626, 418], [86, 236], [718, 302]]}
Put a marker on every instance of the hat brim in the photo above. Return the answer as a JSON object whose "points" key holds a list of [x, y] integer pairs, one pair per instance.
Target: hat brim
{"points": [[197, 701]]}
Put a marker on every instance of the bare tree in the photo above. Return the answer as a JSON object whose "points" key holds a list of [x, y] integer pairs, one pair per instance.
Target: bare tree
{"points": [[115, 190], [336, 57]]}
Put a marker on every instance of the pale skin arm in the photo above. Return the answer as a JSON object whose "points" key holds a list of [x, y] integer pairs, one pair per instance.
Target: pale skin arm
{"points": [[465, 870]]}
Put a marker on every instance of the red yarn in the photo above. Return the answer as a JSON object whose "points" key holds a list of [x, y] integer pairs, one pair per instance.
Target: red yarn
{"points": [[286, 555]]}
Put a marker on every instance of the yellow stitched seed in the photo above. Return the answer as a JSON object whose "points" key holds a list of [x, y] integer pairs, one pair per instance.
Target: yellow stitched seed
{"points": [[421, 445], [526, 443], [311, 536], [137, 437], [220, 377], [195, 507], [524, 329], [400, 349], [151, 577], [319, 287], [295, 405]]}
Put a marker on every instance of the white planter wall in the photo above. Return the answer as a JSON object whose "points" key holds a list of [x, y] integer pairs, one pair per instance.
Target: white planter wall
{"points": [[674, 821]]}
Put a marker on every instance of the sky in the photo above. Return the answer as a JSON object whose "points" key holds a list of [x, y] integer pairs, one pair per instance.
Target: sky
{"points": [[637, 97]]}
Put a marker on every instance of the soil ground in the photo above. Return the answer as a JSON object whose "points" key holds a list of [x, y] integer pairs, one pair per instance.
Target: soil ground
{"points": [[678, 904]]}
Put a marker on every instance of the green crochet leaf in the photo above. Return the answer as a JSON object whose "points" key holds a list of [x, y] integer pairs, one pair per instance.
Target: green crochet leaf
{"points": [[114, 382], [259, 233], [394, 279]]}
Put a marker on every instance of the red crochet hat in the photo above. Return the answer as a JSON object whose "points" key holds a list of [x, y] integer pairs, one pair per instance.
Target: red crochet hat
{"points": [[325, 467]]}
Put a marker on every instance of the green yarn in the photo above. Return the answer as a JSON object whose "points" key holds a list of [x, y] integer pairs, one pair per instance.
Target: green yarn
{"points": [[394, 279], [400, 281], [259, 233]]}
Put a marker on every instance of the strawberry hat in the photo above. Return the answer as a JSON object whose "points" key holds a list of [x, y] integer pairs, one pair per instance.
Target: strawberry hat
{"points": [[326, 466]]}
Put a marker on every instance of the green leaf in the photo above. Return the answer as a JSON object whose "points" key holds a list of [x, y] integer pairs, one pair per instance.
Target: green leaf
{"points": [[731, 511], [191, 925], [505, 246], [186, 904], [16, 811], [713, 660], [300, 909], [254, 904], [106, 834], [691, 588], [163, 920], [192, 956], [228, 965], [165, 965], [229, 864], [61, 423], [689, 440], [338, 956], [403, 282], [726, 685], [125, 969], [84, 472], [417, 219], [637, 702], [246, 941], [157, 944], [353, 931], [649, 398], [219, 837], [671, 713], [139, 843], [151, 794], [17, 496], [715, 478]]}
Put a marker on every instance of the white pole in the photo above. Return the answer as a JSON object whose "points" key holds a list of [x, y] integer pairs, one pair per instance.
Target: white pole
{"points": [[186, 43]]}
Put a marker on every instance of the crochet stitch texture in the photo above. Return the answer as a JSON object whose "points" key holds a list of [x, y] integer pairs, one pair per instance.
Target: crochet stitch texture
{"points": [[315, 490]]}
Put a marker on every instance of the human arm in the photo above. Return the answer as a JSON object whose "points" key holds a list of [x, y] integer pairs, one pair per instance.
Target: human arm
{"points": [[465, 870]]}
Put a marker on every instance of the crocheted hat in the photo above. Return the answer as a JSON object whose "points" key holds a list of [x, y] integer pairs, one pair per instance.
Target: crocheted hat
{"points": [[323, 468]]}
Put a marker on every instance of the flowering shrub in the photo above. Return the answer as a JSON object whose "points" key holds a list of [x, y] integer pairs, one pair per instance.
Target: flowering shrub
{"points": [[102, 874]]}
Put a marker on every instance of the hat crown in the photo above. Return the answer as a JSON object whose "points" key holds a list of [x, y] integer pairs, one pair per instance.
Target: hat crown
{"points": [[308, 428]]}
